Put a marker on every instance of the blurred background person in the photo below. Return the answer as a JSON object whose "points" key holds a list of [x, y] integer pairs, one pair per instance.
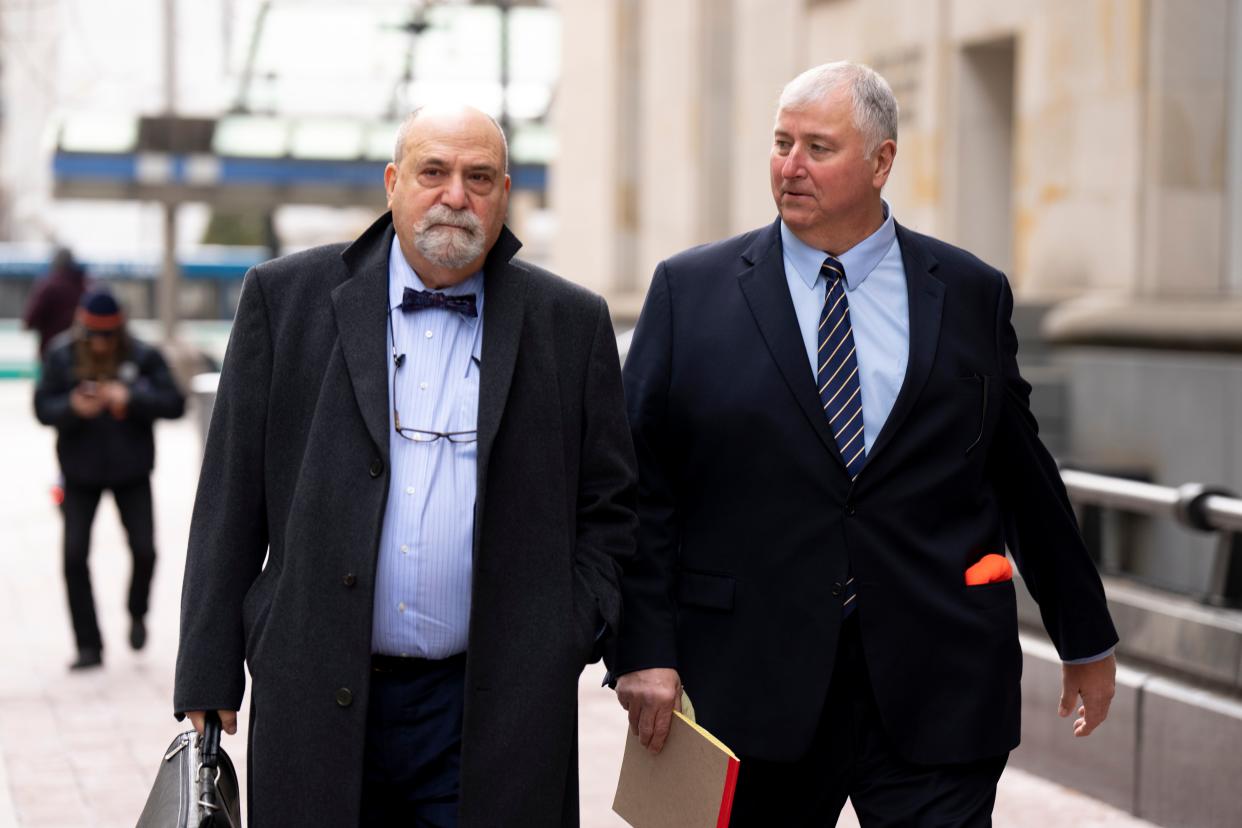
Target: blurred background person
{"points": [[102, 390], [54, 299]]}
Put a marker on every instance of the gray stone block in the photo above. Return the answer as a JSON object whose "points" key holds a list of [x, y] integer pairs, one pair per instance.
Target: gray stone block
{"points": [[1102, 765], [1190, 747], [1172, 632], [1169, 632]]}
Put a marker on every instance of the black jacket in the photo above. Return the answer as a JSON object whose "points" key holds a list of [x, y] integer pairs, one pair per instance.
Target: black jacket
{"points": [[287, 522], [105, 451], [750, 523]]}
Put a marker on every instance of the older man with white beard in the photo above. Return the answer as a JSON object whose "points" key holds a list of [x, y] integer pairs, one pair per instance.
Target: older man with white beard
{"points": [[417, 490]]}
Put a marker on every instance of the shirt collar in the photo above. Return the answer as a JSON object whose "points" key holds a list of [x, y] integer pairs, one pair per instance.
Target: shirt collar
{"points": [[858, 261], [401, 276]]}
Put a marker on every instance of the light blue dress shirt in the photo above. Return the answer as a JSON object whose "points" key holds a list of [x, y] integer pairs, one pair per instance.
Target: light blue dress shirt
{"points": [[425, 570], [879, 313], [875, 279]]}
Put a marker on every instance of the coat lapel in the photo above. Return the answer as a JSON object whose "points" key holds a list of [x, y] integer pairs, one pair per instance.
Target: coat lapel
{"points": [[926, 298], [504, 286], [361, 305], [766, 291]]}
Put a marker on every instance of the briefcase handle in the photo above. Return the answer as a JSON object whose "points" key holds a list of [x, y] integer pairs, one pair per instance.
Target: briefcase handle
{"points": [[214, 813], [209, 747]]}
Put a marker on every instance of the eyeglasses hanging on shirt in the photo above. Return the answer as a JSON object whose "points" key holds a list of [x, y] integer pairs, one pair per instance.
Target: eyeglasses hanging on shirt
{"points": [[422, 435]]}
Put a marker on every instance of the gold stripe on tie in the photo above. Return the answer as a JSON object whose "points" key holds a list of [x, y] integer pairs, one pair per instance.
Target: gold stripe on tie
{"points": [[850, 441], [839, 390], [845, 404], [855, 457], [844, 318], [844, 362], [830, 312], [828, 358], [851, 420]]}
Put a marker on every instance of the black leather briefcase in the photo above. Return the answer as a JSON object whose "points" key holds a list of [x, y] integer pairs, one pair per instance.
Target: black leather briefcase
{"points": [[196, 786]]}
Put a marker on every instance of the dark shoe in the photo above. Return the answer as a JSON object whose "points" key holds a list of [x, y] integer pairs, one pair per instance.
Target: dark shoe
{"points": [[87, 659], [137, 634]]}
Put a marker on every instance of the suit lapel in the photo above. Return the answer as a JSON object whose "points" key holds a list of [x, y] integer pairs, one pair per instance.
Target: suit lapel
{"points": [[504, 287], [361, 305], [766, 291], [926, 298]]}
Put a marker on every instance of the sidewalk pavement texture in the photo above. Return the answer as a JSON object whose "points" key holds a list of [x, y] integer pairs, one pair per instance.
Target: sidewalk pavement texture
{"points": [[82, 749]]}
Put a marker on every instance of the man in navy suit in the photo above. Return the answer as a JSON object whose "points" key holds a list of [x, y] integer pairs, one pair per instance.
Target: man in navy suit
{"points": [[831, 430]]}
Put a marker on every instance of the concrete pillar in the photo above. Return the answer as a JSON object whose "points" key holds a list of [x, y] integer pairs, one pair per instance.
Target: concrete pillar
{"points": [[1234, 132], [591, 190], [1183, 238], [770, 48], [670, 137]]}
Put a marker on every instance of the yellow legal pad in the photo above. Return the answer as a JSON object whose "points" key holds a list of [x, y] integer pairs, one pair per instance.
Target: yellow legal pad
{"points": [[689, 784]]}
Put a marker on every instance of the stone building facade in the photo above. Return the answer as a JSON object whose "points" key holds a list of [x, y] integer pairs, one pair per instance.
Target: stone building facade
{"points": [[1092, 149]]}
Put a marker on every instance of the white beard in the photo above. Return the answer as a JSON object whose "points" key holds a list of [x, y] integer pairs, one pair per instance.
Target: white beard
{"points": [[453, 246]]}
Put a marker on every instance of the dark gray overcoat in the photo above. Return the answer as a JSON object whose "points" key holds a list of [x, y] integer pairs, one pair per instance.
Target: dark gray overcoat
{"points": [[296, 470]]}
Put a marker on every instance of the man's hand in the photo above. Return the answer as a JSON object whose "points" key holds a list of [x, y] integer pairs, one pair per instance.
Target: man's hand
{"points": [[1095, 683], [228, 720], [85, 402], [116, 396], [650, 696]]}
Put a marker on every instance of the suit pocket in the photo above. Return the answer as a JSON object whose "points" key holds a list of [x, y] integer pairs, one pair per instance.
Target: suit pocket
{"points": [[998, 594], [588, 624], [982, 387], [706, 590]]}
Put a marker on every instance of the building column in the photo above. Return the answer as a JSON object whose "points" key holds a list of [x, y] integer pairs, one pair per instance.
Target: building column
{"points": [[1183, 215]]}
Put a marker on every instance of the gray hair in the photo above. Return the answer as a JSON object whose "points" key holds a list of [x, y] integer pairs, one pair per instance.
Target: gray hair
{"points": [[875, 106], [403, 132]]}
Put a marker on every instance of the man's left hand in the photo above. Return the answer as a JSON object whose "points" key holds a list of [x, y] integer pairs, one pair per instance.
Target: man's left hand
{"points": [[1095, 683], [117, 396]]}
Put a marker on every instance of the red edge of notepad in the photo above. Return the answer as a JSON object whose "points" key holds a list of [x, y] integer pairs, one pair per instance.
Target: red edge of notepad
{"points": [[726, 798]]}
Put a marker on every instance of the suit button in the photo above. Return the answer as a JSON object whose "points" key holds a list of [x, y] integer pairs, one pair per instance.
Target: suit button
{"points": [[837, 589], [849, 509], [344, 698], [349, 579], [377, 467]]}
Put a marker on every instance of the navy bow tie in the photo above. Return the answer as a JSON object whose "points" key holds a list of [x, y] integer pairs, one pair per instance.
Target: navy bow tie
{"points": [[412, 300]]}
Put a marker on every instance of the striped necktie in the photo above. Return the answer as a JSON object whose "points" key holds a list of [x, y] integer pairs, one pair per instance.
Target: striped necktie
{"points": [[839, 388]]}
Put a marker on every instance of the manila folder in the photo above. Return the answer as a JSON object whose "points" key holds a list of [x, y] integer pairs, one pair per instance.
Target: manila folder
{"points": [[689, 784]]}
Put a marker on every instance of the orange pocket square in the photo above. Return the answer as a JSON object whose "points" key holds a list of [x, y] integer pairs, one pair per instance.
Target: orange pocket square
{"points": [[989, 570]]}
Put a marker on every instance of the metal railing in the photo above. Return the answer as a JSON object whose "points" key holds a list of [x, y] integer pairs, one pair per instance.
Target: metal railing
{"points": [[1193, 505]]}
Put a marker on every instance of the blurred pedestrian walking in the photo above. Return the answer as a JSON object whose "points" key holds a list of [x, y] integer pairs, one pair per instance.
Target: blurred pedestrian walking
{"points": [[102, 390], [54, 299]]}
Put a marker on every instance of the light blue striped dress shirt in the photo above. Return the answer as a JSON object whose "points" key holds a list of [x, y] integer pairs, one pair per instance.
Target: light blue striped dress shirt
{"points": [[425, 570], [879, 312], [875, 279]]}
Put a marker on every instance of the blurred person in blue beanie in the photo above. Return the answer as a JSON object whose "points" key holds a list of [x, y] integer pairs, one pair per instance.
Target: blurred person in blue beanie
{"points": [[102, 390]]}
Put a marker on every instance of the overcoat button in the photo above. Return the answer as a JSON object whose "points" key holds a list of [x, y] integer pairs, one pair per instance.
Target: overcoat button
{"points": [[344, 698], [837, 589], [377, 467], [349, 579], [849, 509]]}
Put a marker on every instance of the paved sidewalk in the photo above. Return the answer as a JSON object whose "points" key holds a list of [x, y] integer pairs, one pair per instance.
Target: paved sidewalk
{"points": [[82, 750]]}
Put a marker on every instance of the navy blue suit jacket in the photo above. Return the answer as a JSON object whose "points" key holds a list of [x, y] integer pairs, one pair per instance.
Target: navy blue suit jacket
{"points": [[749, 522]]}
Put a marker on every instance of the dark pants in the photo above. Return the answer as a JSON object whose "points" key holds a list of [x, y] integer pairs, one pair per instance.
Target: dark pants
{"points": [[852, 757], [412, 762], [133, 501]]}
